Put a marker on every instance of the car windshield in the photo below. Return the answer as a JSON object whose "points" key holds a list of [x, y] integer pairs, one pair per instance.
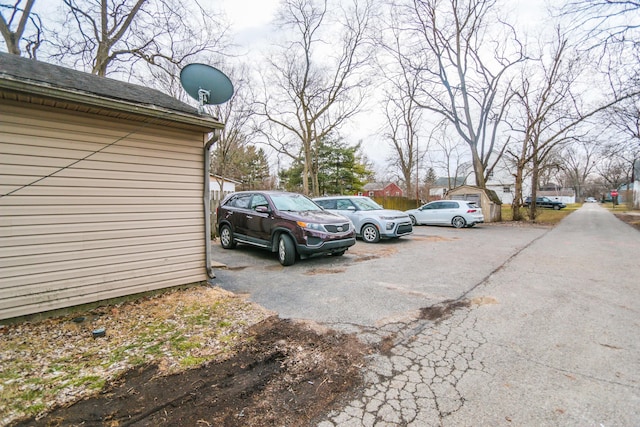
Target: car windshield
{"points": [[366, 204], [293, 202]]}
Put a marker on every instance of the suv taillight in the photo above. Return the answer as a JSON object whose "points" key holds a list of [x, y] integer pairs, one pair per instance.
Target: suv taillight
{"points": [[471, 210]]}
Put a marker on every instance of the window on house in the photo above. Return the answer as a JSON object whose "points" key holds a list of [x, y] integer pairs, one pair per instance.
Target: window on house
{"points": [[506, 189], [371, 193]]}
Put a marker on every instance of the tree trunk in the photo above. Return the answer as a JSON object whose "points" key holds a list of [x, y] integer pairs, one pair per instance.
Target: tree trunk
{"points": [[478, 168], [535, 173], [517, 197]]}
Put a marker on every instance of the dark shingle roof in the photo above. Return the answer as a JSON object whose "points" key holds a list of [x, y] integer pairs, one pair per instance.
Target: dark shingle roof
{"points": [[42, 73], [453, 181]]}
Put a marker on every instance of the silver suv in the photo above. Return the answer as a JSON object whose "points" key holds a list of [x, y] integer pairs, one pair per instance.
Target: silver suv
{"points": [[371, 220]]}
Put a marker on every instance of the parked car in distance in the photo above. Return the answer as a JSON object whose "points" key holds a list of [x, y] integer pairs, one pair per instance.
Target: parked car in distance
{"points": [[545, 202], [287, 223], [371, 221], [458, 213], [591, 200]]}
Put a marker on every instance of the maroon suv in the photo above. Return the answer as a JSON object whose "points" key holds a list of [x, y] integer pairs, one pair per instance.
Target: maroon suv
{"points": [[287, 223]]}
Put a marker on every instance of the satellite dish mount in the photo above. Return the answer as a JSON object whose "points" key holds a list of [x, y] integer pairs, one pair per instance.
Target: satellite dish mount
{"points": [[203, 98], [206, 84]]}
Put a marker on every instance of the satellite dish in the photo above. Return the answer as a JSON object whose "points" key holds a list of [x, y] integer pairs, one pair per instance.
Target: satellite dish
{"points": [[206, 84]]}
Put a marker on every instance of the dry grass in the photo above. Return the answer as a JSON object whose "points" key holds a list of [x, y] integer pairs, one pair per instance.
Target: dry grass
{"points": [[57, 361], [545, 216]]}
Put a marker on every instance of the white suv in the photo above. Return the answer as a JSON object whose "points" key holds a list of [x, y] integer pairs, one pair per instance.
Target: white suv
{"points": [[372, 221]]}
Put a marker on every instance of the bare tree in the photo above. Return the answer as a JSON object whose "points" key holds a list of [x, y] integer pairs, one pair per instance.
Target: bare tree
{"points": [[14, 26], [113, 36], [624, 143], [552, 112], [314, 83], [236, 114], [462, 67], [402, 119], [451, 157], [579, 161], [402, 113], [604, 22], [613, 171]]}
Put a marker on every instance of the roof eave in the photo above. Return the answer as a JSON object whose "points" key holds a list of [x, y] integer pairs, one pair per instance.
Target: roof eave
{"points": [[152, 111]]}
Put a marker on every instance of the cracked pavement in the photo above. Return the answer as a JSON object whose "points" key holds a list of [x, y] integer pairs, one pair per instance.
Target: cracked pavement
{"points": [[508, 326]]}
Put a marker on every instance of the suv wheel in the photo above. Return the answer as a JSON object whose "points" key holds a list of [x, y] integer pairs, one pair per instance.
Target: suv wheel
{"points": [[370, 233], [556, 207], [226, 237], [286, 250], [413, 220]]}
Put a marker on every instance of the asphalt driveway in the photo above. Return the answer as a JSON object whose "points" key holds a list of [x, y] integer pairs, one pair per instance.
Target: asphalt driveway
{"points": [[373, 284], [497, 325]]}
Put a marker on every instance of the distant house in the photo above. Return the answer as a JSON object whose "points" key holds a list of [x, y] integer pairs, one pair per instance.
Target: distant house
{"points": [[228, 186], [101, 188], [442, 186], [503, 183], [377, 189]]}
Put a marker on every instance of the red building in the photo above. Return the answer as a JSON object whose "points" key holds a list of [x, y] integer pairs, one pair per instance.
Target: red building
{"points": [[377, 189]]}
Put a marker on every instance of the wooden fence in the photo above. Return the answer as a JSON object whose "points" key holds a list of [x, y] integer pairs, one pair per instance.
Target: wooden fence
{"points": [[397, 203]]}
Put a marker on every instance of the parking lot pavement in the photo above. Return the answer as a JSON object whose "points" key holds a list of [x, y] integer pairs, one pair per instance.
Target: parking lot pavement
{"points": [[549, 339], [374, 284], [497, 325]]}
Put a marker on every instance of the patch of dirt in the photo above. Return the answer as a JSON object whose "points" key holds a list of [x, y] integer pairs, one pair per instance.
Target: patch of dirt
{"points": [[284, 373], [631, 219], [440, 312]]}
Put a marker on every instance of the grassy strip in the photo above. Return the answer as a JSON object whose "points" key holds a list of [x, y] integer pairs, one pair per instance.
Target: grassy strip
{"points": [[57, 360], [545, 216]]}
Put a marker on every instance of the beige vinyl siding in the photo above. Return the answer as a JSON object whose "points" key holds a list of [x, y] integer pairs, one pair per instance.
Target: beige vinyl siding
{"points": [[94, 208]]}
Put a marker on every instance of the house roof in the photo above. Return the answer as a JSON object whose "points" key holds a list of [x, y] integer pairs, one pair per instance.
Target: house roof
{"points": [[30, 76], [372, 186], [219, 177], [444, 182]]}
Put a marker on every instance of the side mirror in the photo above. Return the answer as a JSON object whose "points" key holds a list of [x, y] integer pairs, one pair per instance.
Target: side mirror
{"points": [[262, 209], [351, 208]]}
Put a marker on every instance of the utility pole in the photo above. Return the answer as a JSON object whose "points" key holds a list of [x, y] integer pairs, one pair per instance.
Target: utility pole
{"points": [[417, 176]]}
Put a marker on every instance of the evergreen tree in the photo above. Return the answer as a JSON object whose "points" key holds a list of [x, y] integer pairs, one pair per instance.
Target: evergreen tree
{"points": [[342, 169]]}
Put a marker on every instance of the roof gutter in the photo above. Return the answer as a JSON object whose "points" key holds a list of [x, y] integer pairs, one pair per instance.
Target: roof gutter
{"points": [[207, 204]]}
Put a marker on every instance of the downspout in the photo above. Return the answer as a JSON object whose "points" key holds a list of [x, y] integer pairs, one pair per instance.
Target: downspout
{"points": [[207, 204]]}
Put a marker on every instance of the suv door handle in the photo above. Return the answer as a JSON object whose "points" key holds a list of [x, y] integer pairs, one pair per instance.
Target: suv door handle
{"points": [[249, 217]]}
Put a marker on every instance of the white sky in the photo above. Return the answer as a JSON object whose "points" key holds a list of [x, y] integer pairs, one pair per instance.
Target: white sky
{"points": [[251, 20], [248, 14]]}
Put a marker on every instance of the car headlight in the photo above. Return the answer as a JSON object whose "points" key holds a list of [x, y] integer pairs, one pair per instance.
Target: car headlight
{"points": [[311, 226]]}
